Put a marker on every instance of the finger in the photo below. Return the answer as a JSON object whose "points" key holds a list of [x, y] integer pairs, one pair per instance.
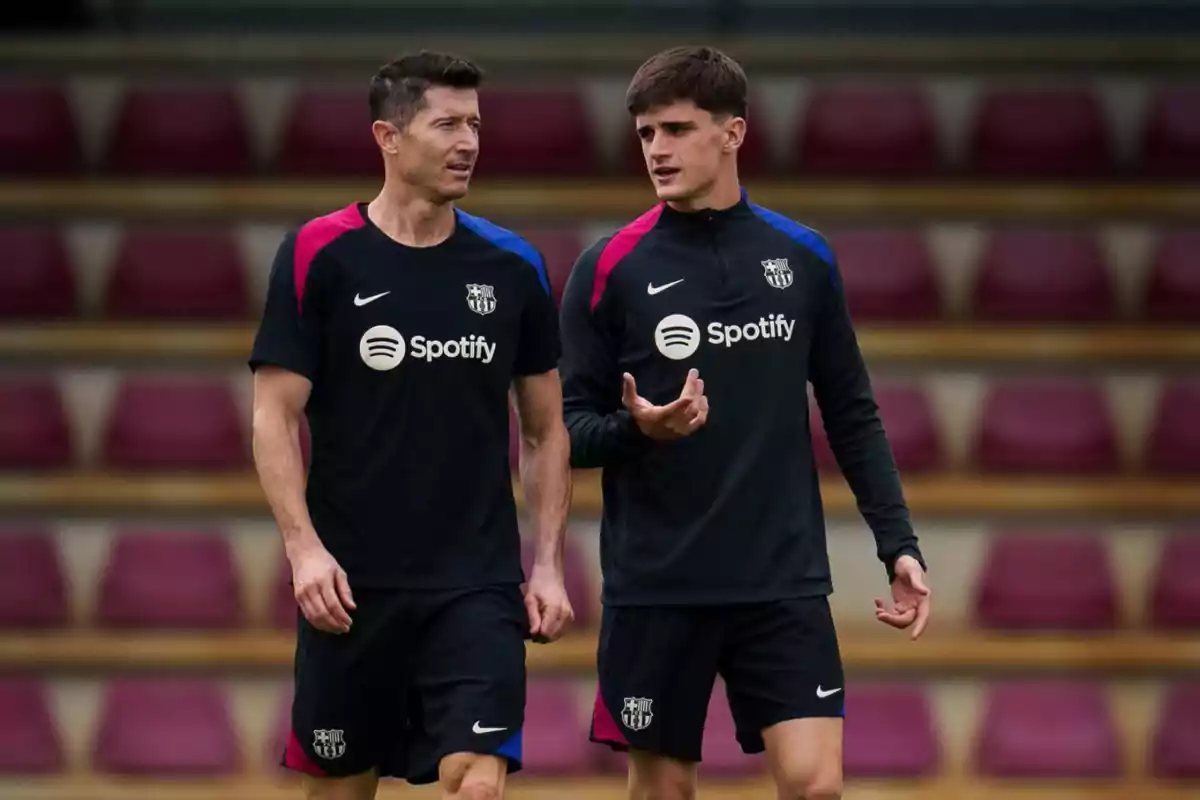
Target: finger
{"points": [[316, 612], [628, 390], [552, 622], [700, 387], [343, 590], [338, 614], [916, 578], [897, 620], [922, 619], [535, 614], [675, 408], [689, 385]]}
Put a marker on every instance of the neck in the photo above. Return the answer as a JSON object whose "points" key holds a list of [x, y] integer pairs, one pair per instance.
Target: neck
{"points": [[724, 192], [410, 217]]}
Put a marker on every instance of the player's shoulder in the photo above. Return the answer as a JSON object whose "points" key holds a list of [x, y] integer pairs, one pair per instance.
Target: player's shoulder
{"points": [[508, 241], [807, 238], [616, 247], [318, 234]]}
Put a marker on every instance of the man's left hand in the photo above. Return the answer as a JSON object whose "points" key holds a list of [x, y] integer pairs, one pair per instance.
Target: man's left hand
{"points": [[547, 603], [910, 596]]}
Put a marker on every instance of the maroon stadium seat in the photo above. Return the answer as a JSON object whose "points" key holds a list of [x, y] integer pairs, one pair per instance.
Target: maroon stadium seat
{"points": [[34, 430], [1173, 291], [908, 419], [178, 274], [171, 579], [1175, 752], [1171, 138], [889, 733], [29, 741], [327, 133], [1047, 425], [36, 281], [559, 248], [1041, 133], [38, 135], [888, 275], [555, 738], [578, 575], [868, 131], [1175, 592], [1048, 729], [166, 727], [175, 423], [561, 143], [1175, 437], [755, 159], [33, 590], [1043, 276], [721, 755], [1047, 581], [180, 131]]}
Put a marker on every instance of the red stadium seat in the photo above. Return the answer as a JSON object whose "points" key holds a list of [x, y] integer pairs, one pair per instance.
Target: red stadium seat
{"points": [[181, 131], [578, 575], [1171, 138], [1048, 729], [1175, 437], [327, 133], [1175, 752], [1174, 591], [1047, 425], [167, 728], [38, 135], [887, 275], [1058, 581], [33, 590], [1043, 276], [555, 740], [889, 733], [1173, 293], [560, 143], [911, 428], [1041, 133], [171, 579], [178, 274], [36, 281], [755, 159], [29, 741], [180, 423], [868, 131], [34, 431], [560, 247], [721, 755]]}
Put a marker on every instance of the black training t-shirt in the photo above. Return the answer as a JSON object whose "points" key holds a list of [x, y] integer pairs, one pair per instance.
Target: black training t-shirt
{"points": [[411, 352]]}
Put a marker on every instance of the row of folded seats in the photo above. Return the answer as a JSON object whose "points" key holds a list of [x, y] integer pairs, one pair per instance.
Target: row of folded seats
{"points": [[184, 130], [890, 274], [1027, 425], [172, 727], [189, 579]]}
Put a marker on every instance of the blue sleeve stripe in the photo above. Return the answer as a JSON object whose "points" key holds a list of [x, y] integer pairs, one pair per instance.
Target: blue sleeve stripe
{"points": [[799, 233], [507, 240]]}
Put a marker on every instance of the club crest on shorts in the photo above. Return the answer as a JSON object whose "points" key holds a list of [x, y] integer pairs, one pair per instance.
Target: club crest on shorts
{"points": [[636, 713], [481, 298], [777, 272], [329, 744]]}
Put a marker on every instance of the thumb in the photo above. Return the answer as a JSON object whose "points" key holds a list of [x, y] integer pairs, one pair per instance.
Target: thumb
{"points": [[629, 393], [916, 578]]}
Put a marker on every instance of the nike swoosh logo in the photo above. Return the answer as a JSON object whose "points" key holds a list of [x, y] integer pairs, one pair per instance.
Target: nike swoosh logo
{"points": [[823, 694], [651, 289], [477, 729], [362, 301]]}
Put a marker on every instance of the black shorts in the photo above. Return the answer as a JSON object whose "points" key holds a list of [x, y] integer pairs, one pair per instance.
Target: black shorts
{"points": [[658, 664], [419, 676]]}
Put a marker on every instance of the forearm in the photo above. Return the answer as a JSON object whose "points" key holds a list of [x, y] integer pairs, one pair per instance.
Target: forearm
{"points": [[546, 480], [280, 465], [603, 440]]}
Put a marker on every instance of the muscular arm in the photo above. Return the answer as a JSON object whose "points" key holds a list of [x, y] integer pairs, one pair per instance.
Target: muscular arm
{"points": [[279, 400], [544, 463]]}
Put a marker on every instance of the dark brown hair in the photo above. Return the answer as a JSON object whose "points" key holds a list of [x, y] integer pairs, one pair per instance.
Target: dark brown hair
{"points": [[704, 75], [398, 89]]}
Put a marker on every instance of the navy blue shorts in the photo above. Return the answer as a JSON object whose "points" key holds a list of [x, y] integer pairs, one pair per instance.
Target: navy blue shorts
{"points": [[420, 675], [658, 664]]}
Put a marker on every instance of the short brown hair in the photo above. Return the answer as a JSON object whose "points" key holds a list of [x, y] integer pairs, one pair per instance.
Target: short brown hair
{"points": [[704, 75], [398, 89]]}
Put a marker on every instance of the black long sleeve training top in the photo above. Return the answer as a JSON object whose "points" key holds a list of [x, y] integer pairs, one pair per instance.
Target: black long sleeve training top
{"points": [[733, 512]]}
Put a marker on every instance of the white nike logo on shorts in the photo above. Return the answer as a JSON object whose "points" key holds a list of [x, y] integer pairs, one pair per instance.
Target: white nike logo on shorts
{"points": [[477, 729], [824, 694]]}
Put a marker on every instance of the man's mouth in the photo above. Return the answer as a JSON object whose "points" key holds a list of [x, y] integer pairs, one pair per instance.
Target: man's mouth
{"points": [[665, 172]]}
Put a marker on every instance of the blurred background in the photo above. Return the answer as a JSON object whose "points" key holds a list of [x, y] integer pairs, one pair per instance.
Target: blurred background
{"points": [[1013, 189]]}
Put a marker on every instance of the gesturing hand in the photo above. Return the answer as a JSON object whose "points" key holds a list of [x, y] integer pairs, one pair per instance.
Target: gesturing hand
{"points": [[547, 603], [677, 419], [911, 598], [322, 590]]}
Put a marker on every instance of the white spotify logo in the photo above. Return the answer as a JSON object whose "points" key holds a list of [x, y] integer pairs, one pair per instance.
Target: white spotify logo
{"points": [[382, 348], [677, 336]]}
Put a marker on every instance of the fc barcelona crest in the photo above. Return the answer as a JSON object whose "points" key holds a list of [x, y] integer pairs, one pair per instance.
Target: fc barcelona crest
{"points": [[778, 273], [481, 298], [636, 713], [329, 744]]}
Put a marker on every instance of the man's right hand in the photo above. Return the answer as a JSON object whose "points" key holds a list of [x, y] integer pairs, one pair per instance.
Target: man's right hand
{"points": [[322, 589], [679, 418]]}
